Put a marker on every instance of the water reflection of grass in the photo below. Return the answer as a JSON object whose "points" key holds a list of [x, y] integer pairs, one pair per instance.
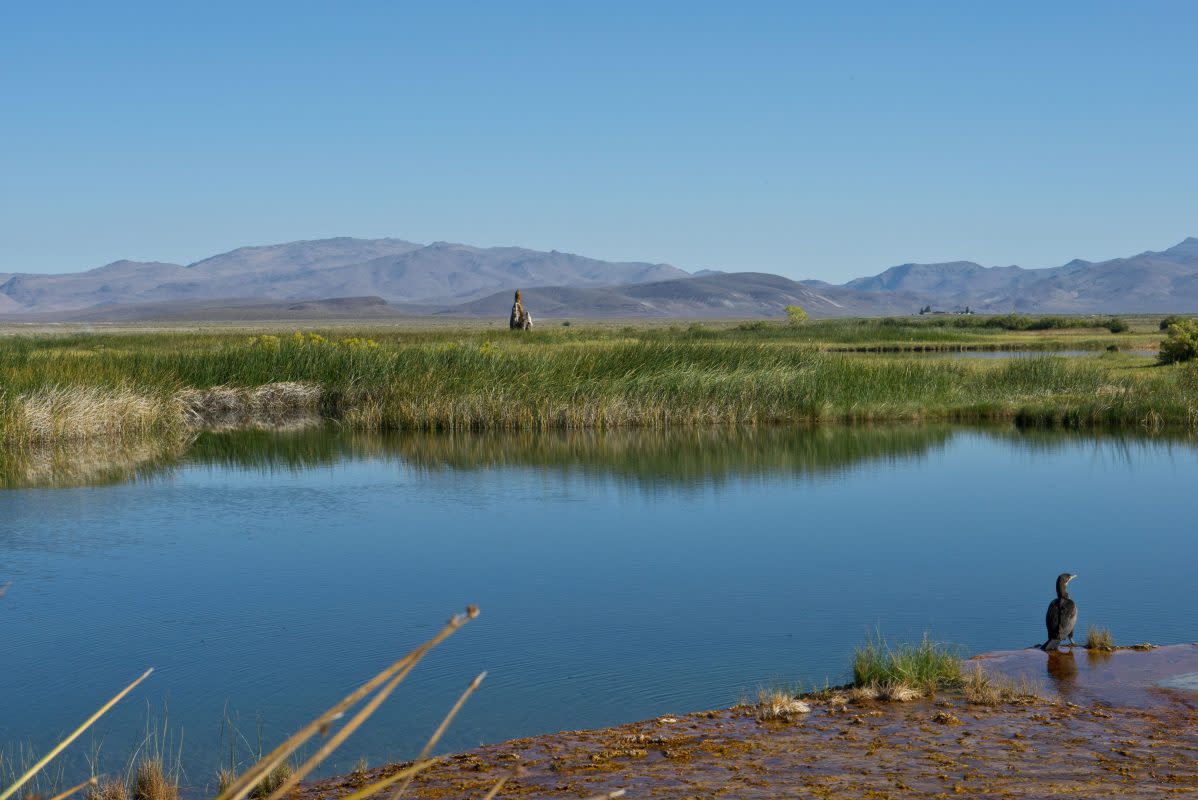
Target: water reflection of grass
{"points": [[87, 463], [681, 456], [686, 456]]}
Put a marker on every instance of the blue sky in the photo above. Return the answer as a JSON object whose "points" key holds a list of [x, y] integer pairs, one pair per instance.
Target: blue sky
{"points": [[813, 140]]}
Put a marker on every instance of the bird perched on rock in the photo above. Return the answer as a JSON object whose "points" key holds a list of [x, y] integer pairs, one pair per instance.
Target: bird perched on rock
{"points": [[1062, 615]]}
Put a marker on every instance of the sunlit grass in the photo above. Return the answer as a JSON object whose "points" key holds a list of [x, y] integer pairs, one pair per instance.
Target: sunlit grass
{"points": [[779, 705], [78, 387], [905, 671], [1099, 638], [982, 688]]}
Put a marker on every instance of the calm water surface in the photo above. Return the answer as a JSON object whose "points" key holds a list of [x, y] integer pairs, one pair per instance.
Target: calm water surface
{"points": [[620, 576]]}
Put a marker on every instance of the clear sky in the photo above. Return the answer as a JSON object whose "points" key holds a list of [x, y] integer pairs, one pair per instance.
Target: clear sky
{"points": [[814, 140]]}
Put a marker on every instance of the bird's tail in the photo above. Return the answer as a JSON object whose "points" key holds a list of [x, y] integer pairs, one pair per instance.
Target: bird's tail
{"points": [[1050, 645]]}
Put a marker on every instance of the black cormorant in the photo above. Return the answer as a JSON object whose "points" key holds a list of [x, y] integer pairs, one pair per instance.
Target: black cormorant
{"points": [[1062, 614]]}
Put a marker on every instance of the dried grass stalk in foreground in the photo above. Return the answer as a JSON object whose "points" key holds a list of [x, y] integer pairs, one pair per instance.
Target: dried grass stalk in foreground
{"points": [[273, 773], [391, 677], [75, 734], [92, 781], [440, 731]]}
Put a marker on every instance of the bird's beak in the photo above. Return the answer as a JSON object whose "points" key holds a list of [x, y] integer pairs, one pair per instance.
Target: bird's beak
{"points": [[1071, 577]]}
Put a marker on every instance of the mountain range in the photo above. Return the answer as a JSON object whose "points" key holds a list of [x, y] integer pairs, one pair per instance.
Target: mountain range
{"points": [[391, 277]]}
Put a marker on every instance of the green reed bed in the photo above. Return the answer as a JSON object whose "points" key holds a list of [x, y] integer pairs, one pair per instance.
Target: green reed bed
{"points": [[83, 387]]}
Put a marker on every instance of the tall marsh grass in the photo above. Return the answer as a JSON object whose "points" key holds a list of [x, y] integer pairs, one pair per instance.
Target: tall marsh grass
{"points": [[78, 387]]}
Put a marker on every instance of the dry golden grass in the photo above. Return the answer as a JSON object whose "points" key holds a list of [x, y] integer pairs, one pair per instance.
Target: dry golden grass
{"points": [[779, 705], [1099, 639], [109, 789], [151, 782], [80, 413], [224, 779], [982, 688], [271, 405], [899, 693], [863, 694], [272, 777]]}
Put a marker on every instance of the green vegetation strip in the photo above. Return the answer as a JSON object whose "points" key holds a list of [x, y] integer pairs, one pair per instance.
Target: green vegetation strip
{"points": [[164, 384]]}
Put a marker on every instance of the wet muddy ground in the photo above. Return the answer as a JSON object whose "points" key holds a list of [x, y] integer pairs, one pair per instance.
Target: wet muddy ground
{"points": [[1121, 724]]}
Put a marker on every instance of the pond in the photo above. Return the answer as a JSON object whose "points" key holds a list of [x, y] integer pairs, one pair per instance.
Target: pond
{"points": [[620, 575]]}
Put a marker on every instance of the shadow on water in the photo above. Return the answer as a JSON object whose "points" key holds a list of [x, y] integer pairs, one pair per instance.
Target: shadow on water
{"points": [[648, 458]]}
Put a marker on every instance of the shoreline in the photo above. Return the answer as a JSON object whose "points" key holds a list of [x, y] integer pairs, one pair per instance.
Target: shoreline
{"points": [[940, 746]]}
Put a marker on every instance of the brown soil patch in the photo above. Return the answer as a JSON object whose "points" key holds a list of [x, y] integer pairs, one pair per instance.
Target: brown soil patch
{"points": [[939, 747]]}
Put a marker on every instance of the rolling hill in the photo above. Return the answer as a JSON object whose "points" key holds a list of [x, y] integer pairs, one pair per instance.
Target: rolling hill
{"points": [[397, 271], [378, 278], [727, 294], [1150, 282]]}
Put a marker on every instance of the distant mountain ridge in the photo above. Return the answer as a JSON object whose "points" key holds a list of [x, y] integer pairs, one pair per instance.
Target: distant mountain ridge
{"points": [[328, 276], [725, 294], [1149, 282], [393, 269]]}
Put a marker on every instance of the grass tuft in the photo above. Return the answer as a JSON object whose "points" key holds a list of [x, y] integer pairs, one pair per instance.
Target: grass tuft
{"points": [[273, 780], [779, 705], [225, 777], [900, 692], [982, 688], [152, 782], [109, 789], [1099, 638], [905, 671]]}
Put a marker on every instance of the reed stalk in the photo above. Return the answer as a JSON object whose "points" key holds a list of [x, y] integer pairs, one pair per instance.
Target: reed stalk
{"points": [[75, 734], [440, 731]]}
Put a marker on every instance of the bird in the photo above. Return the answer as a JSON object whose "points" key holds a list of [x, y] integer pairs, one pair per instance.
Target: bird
{"points": [[1061, 616]]}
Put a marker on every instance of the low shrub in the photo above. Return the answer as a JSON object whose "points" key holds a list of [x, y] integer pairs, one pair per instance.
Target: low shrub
{"points": [[1171, 319], [796, 315], [1181, 344]]}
